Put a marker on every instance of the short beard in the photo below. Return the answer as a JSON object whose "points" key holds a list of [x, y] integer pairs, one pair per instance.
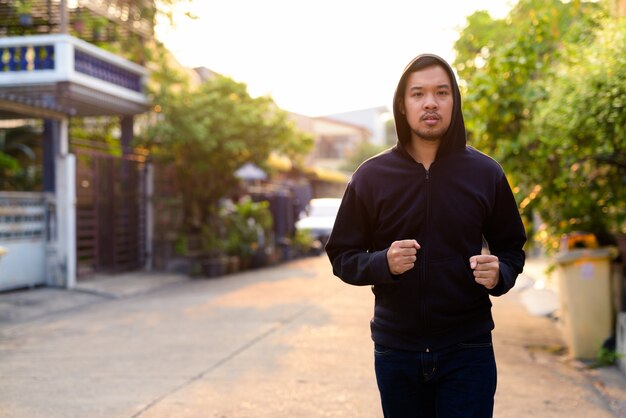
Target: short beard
{"points": [[430, 135]]}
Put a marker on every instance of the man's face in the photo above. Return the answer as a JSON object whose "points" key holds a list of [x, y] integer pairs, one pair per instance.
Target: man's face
{"points": [[428, 102]]}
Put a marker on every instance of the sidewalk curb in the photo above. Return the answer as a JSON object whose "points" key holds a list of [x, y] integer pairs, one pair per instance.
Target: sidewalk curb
{"points": [[21, 306]]}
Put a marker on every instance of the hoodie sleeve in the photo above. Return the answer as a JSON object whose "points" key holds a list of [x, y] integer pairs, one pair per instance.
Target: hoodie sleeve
{"points": [[348, 247], [504, 231]]}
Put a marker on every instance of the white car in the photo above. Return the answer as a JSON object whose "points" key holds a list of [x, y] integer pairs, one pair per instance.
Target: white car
{"points": [[320, 218]]}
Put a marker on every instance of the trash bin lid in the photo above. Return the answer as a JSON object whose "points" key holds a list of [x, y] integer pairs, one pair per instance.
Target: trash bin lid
{"points": [[571, 256]]}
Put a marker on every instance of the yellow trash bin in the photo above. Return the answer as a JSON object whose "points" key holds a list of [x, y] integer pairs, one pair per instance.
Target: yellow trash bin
{"points": [[584, 280]]}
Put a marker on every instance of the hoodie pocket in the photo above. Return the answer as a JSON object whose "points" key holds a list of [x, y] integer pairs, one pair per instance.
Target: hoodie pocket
{"points": [[453, 290]]}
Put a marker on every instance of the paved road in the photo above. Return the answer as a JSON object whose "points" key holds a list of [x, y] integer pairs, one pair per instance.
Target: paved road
{"points": [[286, 342], [290, 341]]}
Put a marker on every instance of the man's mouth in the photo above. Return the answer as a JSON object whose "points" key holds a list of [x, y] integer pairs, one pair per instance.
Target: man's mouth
{"points": [[430, 118]]}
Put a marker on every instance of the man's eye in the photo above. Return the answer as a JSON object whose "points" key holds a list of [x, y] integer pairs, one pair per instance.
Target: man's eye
{"points": [[443, 93]]}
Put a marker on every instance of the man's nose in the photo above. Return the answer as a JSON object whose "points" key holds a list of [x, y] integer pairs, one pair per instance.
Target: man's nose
{"points": [[430, 102]]}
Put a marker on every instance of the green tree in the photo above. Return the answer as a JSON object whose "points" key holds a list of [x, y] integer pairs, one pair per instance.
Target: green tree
{"points": [[529, 83], [208, 132], [577, 137], [501, 60]]}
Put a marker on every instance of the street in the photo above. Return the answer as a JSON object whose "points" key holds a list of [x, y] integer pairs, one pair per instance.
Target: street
{"points": [[285, 341]]}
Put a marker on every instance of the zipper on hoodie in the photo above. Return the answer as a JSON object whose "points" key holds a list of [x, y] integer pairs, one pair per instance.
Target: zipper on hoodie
{"points": [[424, 313]]}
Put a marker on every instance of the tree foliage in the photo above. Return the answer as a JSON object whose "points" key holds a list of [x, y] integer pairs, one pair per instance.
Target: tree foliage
{"points": [[578, 137], [501, 61], [209, 131], [20, 169], [543, 95]]}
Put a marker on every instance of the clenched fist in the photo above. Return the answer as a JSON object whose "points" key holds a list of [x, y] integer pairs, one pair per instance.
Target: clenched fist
{"points": [[401, 255], [486, 270]]}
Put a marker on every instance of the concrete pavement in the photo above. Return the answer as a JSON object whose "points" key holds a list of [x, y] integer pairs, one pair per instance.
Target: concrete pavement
{"points": [[287, 341]]}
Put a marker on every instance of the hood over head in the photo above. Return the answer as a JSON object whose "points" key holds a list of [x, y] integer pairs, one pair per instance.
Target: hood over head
{"points": [[454, 138]]}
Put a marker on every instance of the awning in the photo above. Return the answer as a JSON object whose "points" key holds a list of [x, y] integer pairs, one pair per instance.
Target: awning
{"points": [[327, 175], [249, 171]]}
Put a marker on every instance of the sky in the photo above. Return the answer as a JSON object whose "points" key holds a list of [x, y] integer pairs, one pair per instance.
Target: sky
{"points": [[318, 57]]}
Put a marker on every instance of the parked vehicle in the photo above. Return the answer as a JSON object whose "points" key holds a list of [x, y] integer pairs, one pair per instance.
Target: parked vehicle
{"points": [[319, 219]]}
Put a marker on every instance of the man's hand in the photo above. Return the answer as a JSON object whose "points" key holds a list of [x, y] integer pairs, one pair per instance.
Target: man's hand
{"points": [[486, 270], [401, 255]]}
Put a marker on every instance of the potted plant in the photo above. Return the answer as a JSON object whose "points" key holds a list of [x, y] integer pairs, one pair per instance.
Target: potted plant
{"points": [[233, 248], [303, 243], [253, 224], [214, 260], [186, 256], [241, 237]]}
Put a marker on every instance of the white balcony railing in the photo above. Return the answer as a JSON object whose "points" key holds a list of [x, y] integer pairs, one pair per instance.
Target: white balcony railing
{"points": [[49, 59]]}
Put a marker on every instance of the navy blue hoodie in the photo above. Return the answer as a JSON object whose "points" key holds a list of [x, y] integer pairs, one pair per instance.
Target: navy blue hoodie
{"points": [[448, 209]]}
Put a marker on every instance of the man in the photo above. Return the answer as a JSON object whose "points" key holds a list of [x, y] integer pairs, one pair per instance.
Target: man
{"points": [[412, 223]]}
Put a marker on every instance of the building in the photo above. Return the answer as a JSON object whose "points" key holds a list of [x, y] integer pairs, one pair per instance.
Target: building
{"points": [[90, 214], [334, 140], [378, 120]]}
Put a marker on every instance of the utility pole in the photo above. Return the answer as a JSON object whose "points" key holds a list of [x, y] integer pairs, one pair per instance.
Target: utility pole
{"points": [[63, 24]]}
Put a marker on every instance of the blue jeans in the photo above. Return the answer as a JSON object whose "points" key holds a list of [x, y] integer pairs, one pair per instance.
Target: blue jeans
{"points": [[457, 381]]}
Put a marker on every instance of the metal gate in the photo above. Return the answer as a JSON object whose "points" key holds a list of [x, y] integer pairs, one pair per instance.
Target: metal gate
{"points": [[110, 212], [24, 234]]}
